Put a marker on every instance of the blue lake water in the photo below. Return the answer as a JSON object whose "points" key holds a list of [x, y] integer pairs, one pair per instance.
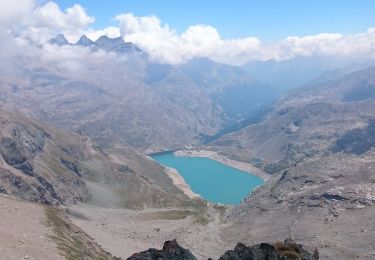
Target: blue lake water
{"points": [[212, 180]]}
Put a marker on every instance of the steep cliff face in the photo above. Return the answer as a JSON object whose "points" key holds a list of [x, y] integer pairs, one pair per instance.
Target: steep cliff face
{"points": [[28, 166], [44, 164]]}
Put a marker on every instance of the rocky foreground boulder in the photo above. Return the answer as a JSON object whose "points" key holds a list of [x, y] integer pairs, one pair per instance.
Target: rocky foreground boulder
{"points": [[171, 251], [287, 250]]}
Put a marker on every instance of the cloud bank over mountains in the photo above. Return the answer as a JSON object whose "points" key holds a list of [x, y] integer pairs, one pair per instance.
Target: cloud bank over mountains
{"points": [[163, 44]]}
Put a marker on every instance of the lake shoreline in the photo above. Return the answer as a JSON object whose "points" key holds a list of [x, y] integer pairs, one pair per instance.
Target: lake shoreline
{"points": [[247, 167], [176, 177], [180, 182], [150, 154]]}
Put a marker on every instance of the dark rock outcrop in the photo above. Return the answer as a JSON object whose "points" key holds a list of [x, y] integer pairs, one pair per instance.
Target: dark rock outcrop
{"points": [[171, 251], [279, 251], [287, 250], [357, 141]]}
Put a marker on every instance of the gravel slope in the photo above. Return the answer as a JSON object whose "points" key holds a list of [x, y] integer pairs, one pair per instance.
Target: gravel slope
{"points": [[23, 233]]}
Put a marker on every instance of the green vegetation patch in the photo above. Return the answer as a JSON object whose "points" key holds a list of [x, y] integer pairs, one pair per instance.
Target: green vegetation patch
{"points": [[279, 166], [167, 215], [72, 242]]}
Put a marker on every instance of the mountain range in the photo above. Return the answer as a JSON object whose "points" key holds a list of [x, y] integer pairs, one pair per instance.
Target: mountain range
{"points": [[132, 101], [305, 122], [285, 75], [74, 133], [317, 142]]}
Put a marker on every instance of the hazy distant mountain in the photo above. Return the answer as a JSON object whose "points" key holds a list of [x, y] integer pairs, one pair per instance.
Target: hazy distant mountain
{"points": [[84, 41], [103, 42], [115, 44], [59, 40], [235, 90], [287, 74], [306, 122], [339, 72], [133, 101]]}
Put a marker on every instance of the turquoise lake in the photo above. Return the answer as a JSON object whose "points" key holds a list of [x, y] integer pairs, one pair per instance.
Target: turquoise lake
{"points": [[212, 180]]}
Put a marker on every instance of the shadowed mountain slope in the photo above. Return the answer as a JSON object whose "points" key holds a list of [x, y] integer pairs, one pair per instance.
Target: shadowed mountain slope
{"points": [[318, 144], [307, 122], [44, 164]]}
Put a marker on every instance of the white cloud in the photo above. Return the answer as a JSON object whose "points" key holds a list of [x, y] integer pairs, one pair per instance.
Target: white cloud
{"points": [[328, 44], [51, 16], [111, 32], [48, 20], [12, 12], [11, 16], [166, 45], [22, 20], [44, 22], [76, 59]]}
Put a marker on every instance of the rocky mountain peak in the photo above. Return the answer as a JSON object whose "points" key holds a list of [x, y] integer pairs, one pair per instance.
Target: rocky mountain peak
{"points": [[106, 42], [103, 42], [115, 44], [59, 40], [105, 39], [84, 41]]}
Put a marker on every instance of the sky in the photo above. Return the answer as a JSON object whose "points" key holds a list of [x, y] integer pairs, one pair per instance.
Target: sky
{"points": [[233, 32], [269, 20]]}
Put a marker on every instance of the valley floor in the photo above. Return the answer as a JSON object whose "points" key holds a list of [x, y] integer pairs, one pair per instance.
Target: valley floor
{"points": [[348, 235], [124, 232], [24, 233]]}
